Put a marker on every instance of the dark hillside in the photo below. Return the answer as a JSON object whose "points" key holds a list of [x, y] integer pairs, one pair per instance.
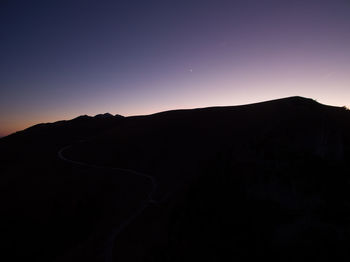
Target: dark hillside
{"points": [[175, 145], [44, 139], [261, 181], [48, 206]]}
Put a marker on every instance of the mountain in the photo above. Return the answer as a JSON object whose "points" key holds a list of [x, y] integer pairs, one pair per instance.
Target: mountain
{"points": [[49, 137], [266, 180]]}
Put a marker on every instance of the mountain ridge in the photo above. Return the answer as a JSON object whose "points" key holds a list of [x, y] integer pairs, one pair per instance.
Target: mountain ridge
{"points": [[270, 178], [293, 100]]}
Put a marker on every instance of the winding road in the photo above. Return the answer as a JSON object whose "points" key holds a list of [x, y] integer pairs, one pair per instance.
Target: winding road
{"points": [[106, 254]]}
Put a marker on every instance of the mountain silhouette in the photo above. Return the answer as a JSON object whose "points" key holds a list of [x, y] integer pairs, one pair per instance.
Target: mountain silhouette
{"points": [[261, 181]]}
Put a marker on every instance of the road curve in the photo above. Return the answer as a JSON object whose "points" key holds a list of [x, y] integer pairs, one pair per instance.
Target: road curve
{"points": [[107, 253], [131, 172]]}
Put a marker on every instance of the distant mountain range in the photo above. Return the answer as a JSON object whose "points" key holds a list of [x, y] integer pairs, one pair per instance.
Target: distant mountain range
{"points": [[261, 181]]}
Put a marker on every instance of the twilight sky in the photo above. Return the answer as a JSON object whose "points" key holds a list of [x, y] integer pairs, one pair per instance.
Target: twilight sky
{"points": [[60, 59]]}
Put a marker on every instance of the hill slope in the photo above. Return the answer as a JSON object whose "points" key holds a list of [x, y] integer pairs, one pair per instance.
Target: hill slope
{"points": [[266, 180]]}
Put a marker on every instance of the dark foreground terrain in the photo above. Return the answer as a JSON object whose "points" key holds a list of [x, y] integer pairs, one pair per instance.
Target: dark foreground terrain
{"points": [[261, 181]]}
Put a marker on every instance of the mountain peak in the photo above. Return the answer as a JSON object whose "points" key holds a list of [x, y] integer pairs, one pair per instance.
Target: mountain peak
{"points": [[105, 115]]}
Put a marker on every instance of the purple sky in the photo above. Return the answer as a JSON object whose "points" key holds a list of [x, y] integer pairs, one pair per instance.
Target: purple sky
{"points": [[60, 59]]}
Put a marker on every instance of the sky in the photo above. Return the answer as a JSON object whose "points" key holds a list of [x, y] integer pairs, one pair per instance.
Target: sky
{"points": [[61, 59]]}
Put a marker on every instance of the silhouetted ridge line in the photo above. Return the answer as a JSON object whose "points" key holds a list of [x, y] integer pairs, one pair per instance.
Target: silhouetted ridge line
{"points": [[294, 101]]}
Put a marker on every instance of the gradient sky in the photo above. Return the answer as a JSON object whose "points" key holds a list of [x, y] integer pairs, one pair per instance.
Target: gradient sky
{"points": [[60, 59]]}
